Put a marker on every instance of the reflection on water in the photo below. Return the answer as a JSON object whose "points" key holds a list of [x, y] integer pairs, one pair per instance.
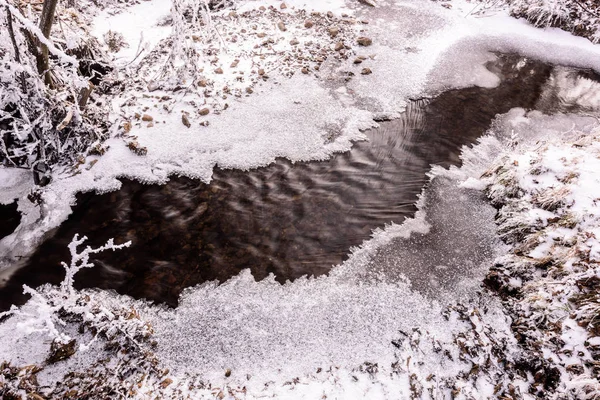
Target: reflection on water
{"points": [[286, 219]]}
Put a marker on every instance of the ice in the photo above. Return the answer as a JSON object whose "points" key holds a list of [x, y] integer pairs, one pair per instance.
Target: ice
{"points": [[14, 184]]}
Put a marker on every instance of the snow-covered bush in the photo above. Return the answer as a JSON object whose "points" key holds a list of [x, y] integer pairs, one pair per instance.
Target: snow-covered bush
{"points": [[582, 17], [191, 22], [548, 212], [45, 118]]}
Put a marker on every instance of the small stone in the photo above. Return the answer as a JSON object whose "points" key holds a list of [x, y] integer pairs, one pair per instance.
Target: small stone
{"points": [[233, 14], [127, 126], [134, 146], [204, 111], [150, 124], [202, 83], [339, 46], [147, 118], [137, 115], [219, 71], [308, 24], [294, 42], [333, 31], [261, 35], [304, 70], [234, 63], [185, 120], [357, 61], [166, 383], [364, 41], [196, 38], [369, 3], [261, 72], [262, 8], [281, 26], [249, 90], [227, 373], [283, 6], [366, 71], [329, 14]]}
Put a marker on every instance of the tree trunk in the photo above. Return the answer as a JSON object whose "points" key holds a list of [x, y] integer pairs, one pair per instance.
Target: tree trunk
{"points": [[46, 21]]}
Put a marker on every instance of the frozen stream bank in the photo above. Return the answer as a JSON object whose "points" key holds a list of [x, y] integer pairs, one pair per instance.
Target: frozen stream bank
{"points": [[287, 219]]}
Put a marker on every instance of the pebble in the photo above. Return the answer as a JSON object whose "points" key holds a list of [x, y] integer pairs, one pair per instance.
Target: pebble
{"points": [[261, 35], [333, 31], [218, 71], [304, 70], [147, 118], [185, 120], [166, 383], [202, 83], [308, 24], [281, 26], [339, 46], [261, 72], [294, 42], [204, 111], [234, 63], [364, 41], [283, 6], [366, 71]]}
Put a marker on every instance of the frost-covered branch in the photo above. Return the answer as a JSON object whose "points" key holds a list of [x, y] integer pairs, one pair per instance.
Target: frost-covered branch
{"points": [[82, 260], [39, 35]]}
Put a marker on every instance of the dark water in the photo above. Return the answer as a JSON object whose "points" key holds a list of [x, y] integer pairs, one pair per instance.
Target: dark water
{"points": [[9, 219], [286, 219]]}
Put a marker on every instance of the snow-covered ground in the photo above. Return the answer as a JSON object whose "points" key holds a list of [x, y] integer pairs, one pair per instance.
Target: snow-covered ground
{"points": [[362, 331]]}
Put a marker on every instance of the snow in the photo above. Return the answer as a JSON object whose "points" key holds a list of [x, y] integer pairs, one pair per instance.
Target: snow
{"points": [[14, 183], [139, 25], [268, 334]]}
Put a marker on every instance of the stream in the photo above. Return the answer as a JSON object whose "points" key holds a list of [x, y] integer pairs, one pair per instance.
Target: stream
{"points": [[288, 219]]}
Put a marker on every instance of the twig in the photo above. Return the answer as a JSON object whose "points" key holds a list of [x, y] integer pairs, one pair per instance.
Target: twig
{"points": [[14, 43], [586, 8]]}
